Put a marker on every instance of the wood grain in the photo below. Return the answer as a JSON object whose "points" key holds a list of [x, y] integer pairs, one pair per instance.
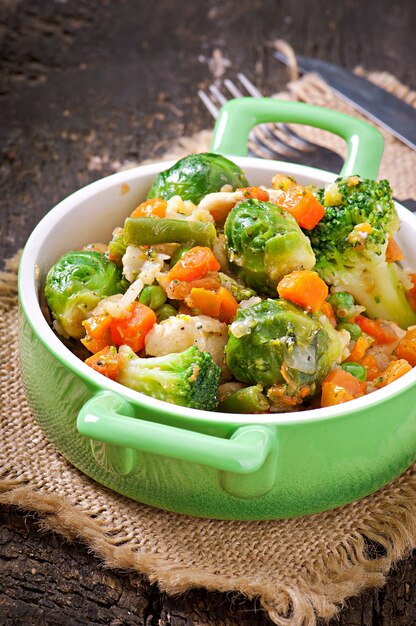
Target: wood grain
{"points": [[86, 86]]}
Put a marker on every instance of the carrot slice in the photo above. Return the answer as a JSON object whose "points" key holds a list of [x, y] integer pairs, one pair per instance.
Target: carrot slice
{"points": [[228, 305], [305, 288], [380, 330], [360, 348], [219, 304], [132, 329], [106, 362], [393, 251], [339, 387], [407, 347], [302, 204], [205, 301], [326, 309], [371, 365], [194, 264], [394, 370], [411, 294], [255, 192], [98, 332], [154, 207]]}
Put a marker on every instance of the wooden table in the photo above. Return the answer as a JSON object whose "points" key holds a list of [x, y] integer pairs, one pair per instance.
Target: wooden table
{"points": [[86, 86]]}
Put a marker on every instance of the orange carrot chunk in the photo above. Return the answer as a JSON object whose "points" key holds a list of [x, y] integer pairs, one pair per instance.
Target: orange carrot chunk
{"points": [[380, 330], [339, 387], [98, 332], [305, 288], [228, 305], [106, 362], [132, 329], [300, 203], [371, 365], [255, 192], [154, 207], [407, 347], [206, 301], [194, 264], [326, 309], [411, 294], [393, 251], [394, 370], [360, 348]]}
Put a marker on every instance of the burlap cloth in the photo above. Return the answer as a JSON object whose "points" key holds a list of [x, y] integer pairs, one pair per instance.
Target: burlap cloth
{"points": [[299, 568]]}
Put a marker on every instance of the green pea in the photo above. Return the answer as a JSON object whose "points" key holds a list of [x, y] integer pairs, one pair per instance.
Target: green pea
{"points": [[178, 254], [153, 296], [354, 330], [165, 311], [343, 305], [355, 369]]}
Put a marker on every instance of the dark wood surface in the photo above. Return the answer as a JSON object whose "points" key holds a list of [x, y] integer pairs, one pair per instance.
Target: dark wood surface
{"points": [[88, 85]]}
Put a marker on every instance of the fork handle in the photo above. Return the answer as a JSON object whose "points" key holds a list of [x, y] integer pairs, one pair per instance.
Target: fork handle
{"points": [[237, 117]]}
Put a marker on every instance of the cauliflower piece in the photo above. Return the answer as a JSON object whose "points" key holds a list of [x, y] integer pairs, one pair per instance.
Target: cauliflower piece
{"points": [[178, 333], [178, 209], [143, 262]]}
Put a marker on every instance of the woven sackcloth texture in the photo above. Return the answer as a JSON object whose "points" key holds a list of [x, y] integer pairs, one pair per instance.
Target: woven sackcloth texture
{"points": [[300, 568]]}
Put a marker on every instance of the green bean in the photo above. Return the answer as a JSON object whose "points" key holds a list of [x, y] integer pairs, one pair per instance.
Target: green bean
{"points": [[151, 230], [153, 296], [354, 330], [165, 311], [246, 400], [355, 369]]}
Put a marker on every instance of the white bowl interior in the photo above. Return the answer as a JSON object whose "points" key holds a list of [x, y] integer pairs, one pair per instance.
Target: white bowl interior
{"points": [[91, 214]]}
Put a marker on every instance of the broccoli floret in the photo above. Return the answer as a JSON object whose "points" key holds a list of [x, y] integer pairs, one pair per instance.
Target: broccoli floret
{"points": [[188, 378], [350, 245]]}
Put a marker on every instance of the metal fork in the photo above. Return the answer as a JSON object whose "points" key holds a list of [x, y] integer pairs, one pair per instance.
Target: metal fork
{"points": [[270, 141]]}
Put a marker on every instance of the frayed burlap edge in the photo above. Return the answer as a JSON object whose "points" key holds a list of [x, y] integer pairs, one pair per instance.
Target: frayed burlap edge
{"points": [[387, 518]]}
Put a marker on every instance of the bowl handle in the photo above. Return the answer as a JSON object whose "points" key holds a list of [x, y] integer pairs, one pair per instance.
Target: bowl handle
{"points": [[108, 417], [237, 117]]}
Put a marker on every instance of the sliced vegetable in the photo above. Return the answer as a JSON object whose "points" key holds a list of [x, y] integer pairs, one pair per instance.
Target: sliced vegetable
{"points": [[147, 231], [155, 207], [255, 192], [339, 387], [394, 370], [194, 264], [282, 182], [407, 347], [300, 203], [220, 304], [393, 251], [98, 332], [106, 362], [305, 288], [132, 329], [360, 348], [381, 331], [372, 367], [327, 310]]}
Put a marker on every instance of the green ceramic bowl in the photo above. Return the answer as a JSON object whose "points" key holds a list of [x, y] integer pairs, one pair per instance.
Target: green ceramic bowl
{"points": [[198, 462]]}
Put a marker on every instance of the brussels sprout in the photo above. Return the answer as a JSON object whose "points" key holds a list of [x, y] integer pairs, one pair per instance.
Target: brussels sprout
{"points": [[275, 342], [196, 175], [265, 242], [75, 285]]}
